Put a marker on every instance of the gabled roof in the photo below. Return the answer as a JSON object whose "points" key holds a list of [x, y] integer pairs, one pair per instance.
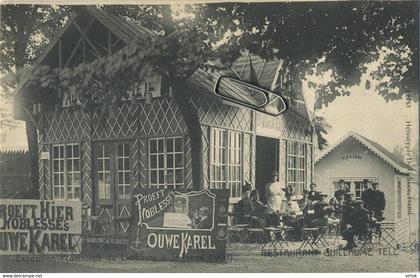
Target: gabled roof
{"points": [[376, 148], [255, 70], [128, 32]]}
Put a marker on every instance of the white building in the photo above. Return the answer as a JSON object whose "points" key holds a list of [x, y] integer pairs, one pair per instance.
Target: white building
{"points": [[354, 158]]}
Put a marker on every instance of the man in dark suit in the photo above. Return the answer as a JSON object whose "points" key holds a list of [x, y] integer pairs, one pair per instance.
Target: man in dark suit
{"points": [[378, 204], [204, 221], [358, 218], [367, 194], [340, 191], [313, 194], [244, 206], [322, 209]]}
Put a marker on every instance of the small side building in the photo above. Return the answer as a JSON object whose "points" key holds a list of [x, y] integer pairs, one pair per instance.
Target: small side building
{"points": [[354, 158]]}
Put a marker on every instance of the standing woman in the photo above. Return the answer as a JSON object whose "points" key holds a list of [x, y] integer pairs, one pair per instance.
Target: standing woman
{"points": [[274, 197]]}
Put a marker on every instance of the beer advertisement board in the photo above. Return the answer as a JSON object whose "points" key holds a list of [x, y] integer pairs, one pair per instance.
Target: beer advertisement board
{"points": [[180, 225], [34, 227]]}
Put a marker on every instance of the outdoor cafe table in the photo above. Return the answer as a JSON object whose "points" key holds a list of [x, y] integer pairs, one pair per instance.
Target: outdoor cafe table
{"points": [[278, 237]]}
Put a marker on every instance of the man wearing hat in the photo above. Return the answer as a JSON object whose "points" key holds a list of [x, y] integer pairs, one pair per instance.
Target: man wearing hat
{"points": [[244, 206], [358, 221], [313, 193], [367, 194], [339, 193], [322, 207], [304, 203], [378, 202]]}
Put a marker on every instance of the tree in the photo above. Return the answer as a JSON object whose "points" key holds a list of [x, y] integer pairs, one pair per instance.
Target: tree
{"points": [[26, 30], [309, 37], [343, 37], [398, 151]]}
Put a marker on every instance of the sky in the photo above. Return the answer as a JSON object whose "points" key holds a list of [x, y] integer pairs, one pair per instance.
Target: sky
{"points": [[367, 113]]}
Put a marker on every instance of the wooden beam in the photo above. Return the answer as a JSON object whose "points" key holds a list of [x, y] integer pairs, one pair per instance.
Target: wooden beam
{"points": [[28, 113], [78, 43], [84, 51], [84, 37], [116, 42], [60, 65], [73, 52], [60, 55], [109, 43], [47, 50]]}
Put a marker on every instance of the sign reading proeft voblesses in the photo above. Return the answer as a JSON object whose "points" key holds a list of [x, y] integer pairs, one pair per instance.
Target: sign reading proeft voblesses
{"points": [[180, 225]]}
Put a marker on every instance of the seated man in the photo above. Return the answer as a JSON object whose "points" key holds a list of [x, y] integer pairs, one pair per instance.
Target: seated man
{"points": [[258, 209], [244, 206], [313, 194], [357, 217], [305, 204], [257, 205], [337, 204], [322, 210]]}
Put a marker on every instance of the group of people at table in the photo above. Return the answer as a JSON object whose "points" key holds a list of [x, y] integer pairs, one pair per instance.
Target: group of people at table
{"points": [[283, 207]]}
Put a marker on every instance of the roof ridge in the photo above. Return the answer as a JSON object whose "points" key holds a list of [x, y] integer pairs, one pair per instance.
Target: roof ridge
{"points": [[375, 147]]}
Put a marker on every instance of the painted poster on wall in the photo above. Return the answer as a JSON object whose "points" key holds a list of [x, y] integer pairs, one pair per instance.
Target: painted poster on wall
{"points": [[34, 227], [180, 225]]}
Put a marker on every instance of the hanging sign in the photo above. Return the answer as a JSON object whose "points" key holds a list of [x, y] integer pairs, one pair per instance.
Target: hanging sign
{"points": [[179, 225], [39, 227]]}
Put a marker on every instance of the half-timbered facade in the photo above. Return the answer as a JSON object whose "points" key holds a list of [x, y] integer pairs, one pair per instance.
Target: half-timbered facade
{"points": [[99, 159]]}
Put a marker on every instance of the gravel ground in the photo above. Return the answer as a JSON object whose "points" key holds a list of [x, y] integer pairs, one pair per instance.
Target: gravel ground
{"points": [[399, 261]]}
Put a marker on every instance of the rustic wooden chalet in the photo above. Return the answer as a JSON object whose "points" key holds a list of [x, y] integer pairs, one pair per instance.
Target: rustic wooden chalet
{"points": [[97, 159]]}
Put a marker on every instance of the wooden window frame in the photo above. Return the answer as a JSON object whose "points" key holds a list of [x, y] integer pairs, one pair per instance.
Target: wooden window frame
{"points": [[297, 184], [165, 154], [65, 172], [226, 151]]}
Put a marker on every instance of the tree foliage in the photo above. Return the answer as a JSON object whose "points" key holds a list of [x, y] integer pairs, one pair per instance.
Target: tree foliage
{"points": [[312, 38], [342, 37], [339, 36]]}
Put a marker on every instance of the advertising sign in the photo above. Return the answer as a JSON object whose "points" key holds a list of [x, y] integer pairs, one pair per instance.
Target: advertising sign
{"points": [[180, 225], [39, 227]]}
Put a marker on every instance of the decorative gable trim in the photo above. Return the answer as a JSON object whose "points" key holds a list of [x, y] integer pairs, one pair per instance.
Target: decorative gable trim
{"points": [[369, 146]]}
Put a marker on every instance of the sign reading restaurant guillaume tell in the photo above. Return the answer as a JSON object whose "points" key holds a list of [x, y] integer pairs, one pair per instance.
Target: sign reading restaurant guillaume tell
{"points": [[173, 225], [39, 227]]}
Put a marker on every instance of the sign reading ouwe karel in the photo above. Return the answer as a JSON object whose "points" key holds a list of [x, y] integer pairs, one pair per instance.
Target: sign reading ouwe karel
{"points": [[180, 225], [39, 227]]}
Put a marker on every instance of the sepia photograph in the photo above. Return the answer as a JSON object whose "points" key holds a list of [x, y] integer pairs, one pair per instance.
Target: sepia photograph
{"points": [[202, 136]]}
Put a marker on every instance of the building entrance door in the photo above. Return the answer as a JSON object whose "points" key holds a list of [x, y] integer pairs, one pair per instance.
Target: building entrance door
{"points": [[267, 161], [112, 189]]}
